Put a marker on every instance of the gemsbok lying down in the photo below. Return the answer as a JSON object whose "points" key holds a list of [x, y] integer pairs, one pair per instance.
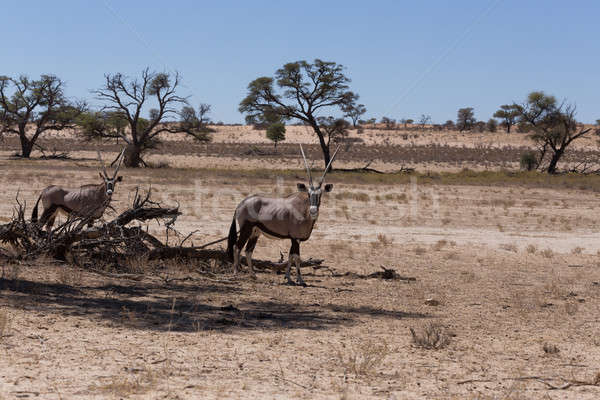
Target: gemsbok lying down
{"points": [[87, 201], [291, 217]]}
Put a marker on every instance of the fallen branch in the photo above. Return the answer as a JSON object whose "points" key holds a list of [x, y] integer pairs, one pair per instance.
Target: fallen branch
{"points": [[568, 383], [115, 243]]}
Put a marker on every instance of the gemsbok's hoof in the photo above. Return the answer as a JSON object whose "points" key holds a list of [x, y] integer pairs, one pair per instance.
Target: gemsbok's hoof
{"points": [[302, 283], [289, 283]]}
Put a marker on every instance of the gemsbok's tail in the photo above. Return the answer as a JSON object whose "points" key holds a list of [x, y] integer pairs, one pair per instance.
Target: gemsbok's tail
{"points": [[34, 213], [231, 239]]}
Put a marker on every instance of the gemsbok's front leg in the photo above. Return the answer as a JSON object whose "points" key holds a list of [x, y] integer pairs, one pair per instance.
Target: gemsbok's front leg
{"points": [[294, 257]]}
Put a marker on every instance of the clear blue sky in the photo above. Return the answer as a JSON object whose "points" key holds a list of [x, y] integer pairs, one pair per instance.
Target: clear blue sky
{"points": [[405, 58]]}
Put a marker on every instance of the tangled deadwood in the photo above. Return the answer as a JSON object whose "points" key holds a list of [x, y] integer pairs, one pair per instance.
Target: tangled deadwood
{"points": [[114, 242], [75, 241]]}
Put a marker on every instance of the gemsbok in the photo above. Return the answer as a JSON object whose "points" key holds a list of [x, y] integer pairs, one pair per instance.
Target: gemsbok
{"points": [[88, 201], [291, 217]]}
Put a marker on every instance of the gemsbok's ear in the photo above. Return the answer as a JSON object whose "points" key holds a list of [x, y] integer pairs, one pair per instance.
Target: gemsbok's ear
{"points": [[328, 187], [301, 187], [119, 178]]}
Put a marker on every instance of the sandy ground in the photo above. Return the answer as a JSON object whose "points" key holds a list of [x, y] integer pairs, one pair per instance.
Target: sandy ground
{"points": [[513, 269]]}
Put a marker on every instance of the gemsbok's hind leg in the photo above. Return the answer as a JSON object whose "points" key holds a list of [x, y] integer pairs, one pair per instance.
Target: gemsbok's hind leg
{"points": [[48, 217], [249, 249], [245, 233], [298, 261]]}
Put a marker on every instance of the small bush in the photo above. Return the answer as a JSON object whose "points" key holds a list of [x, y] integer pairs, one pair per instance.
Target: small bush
{"points": [[362, 359], [550, 348], [276, 132], [432, 337], [548, 253], [384, 240], [158, 164], [529, 161], [492, 125], [577, 250]]}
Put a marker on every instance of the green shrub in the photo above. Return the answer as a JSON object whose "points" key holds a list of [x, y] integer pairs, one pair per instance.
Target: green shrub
{"points": [[529, 161]]}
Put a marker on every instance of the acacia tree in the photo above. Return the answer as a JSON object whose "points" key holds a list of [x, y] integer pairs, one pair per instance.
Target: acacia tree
{"points": [[465, 119], [354, 111], [121, 117], [29, 108], [389, 123], [508, 113], [553, 127], [306, 90], [335, 129]]}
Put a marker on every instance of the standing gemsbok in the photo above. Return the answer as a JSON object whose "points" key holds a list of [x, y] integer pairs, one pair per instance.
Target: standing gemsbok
{"points": [[291, 217], [88, 201]]}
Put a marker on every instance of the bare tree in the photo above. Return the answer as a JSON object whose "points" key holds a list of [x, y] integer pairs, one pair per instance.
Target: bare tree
{"points": [[125, 100], [424, 120], [203, 111], [553, 127], [307, 90], [35, 105]]}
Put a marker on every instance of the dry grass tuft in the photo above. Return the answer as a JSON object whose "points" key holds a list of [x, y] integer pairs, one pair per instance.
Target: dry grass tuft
{"points": [[577, 250], [11, 271], [136, 265], [548, 253], [161, 164], [363, 359], [4, 323], [571, 308], [420, 250], [384, 240], [124, 387], [440, 244], [432, 337], [531, 249], [70, 276], [550, 348], [356, 196], [509, 247]]}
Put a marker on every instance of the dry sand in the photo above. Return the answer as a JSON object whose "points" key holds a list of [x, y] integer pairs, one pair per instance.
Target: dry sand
{"points": [[513, 269]]}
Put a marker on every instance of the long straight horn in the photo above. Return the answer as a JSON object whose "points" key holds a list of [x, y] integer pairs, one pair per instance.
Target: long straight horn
{"points": [[102, 162], [329, 164], [121, 157], [310, 181]]}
